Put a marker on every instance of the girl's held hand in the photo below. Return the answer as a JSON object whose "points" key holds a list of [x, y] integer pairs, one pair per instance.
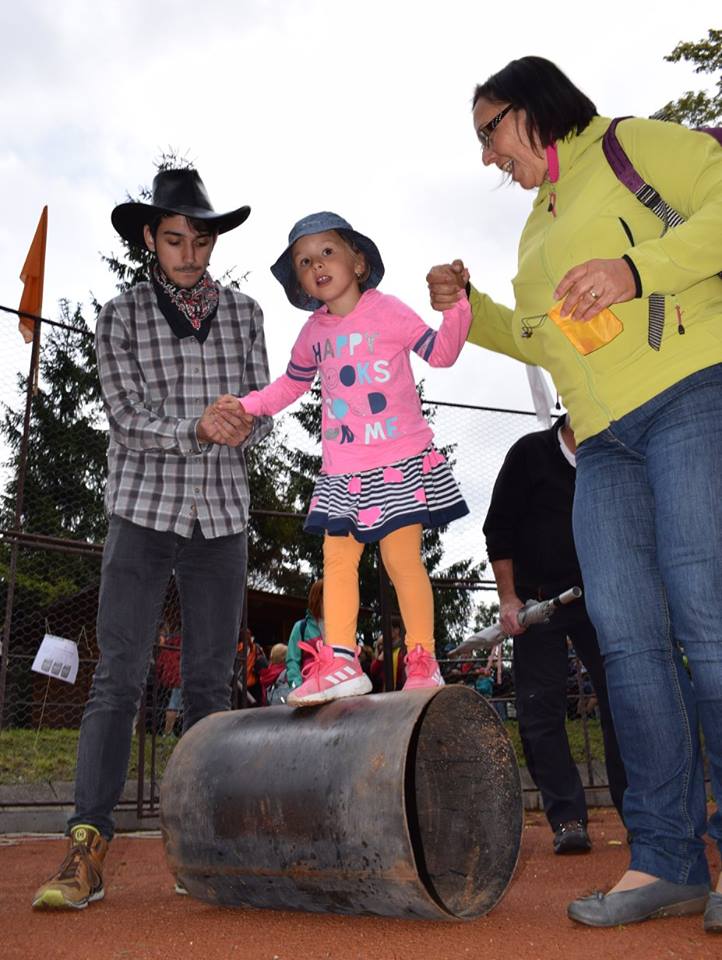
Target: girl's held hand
{"points": [[591, 286], [228, 400], [230, 406], [447, 283]]}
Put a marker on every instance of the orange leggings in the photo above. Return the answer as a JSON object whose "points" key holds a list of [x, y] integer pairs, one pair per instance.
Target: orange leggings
{"points": [[401, 553]]}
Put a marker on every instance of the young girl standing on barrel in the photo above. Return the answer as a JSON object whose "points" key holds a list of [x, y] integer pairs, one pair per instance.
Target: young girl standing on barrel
{"points": [[381, 479]]}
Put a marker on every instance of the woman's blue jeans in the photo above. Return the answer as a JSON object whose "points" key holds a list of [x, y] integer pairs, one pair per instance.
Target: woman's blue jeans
{"points": [[648, 531]]}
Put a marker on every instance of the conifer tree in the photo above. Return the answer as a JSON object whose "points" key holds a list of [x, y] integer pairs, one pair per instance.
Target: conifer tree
{"points": [[65, 473]]}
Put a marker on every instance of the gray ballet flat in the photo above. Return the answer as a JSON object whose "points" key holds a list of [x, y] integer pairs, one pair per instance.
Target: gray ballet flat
{"points": [[658, 899], [713, 913]]}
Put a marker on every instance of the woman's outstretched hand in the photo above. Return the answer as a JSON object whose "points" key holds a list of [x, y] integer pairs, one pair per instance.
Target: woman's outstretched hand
{"points": [[591, 286], [447, 283]]}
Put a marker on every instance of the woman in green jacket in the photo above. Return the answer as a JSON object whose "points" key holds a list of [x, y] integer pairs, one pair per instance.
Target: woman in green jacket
{"points": [[643, 386]]}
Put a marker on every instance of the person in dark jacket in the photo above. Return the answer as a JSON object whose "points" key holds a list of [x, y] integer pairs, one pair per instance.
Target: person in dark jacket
{"points": [[529, 541]]}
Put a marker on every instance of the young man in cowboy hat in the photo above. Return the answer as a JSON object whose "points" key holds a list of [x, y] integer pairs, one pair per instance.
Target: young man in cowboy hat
{"points": [[177, 496]]}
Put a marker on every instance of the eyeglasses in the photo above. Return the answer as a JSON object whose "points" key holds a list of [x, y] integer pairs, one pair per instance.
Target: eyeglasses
{"points": [[484, 133]]}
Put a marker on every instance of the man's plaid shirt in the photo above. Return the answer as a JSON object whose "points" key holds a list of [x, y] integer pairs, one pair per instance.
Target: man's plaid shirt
{"points": [[155, 388]]}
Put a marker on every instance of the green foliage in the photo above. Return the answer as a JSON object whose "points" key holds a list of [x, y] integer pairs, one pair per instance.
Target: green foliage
{"points": [[275, 543], [697, 108], [66, 453], [65, 475], [485, 615]]}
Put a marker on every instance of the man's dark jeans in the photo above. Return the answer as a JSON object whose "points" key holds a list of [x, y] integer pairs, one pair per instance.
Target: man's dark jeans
{"points": [[137, 564]]}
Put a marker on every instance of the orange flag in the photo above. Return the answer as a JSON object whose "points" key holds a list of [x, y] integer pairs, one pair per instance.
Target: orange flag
{"points": [[32, 275]]}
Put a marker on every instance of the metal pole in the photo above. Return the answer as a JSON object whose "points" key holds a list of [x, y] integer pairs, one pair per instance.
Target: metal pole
{"points": [[585, 722], [154, 738], [140, 732], [239, 696], [19, 497], [385, 607]]}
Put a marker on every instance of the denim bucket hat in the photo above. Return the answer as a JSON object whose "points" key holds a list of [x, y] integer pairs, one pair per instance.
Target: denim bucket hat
{"points": [[283, 270]]}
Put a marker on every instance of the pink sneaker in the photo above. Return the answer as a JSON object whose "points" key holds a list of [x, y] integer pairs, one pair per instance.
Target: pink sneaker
{"points": [[422, 670], [328, 677]]}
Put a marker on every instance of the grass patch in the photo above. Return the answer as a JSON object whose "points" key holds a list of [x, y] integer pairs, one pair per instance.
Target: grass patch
{"points": [[575, 734], [27, 756]]}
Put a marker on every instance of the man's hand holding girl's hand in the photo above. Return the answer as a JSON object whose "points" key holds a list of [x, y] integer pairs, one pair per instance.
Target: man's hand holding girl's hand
{"points": [[225, 422]]}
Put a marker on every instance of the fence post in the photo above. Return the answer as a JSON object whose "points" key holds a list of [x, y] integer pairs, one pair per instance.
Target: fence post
{"points": [[239, 691], [19, 497], [581, 709], [140, 731], [385, 609]]}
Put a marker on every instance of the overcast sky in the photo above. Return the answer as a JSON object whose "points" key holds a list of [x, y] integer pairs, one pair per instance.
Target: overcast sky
{"points": [[292, 107]]}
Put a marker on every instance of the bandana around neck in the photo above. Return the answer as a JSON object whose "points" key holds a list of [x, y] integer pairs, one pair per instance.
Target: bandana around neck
{"points": [[188, 311]]}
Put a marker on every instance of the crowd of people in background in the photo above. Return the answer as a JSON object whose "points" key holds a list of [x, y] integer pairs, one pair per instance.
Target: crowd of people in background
{"points": [[271, 672]]}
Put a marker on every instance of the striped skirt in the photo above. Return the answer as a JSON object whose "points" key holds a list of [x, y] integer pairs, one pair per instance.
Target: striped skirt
{"points": [[371, 504]]}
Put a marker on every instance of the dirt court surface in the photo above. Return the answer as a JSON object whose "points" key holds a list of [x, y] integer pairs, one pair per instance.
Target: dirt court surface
{"points": [[142, 919]]}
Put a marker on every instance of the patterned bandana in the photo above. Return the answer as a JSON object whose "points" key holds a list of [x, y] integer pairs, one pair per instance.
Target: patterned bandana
{"points": [[188, 311]]}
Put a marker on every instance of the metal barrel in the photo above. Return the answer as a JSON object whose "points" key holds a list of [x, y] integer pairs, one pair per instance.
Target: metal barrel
{"points": [[400, 804]]}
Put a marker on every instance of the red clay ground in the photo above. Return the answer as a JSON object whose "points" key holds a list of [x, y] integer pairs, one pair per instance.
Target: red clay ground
{"points": [[142, 919]]}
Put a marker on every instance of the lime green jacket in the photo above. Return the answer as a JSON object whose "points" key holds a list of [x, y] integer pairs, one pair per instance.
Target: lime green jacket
{"points": [[598, 217]]}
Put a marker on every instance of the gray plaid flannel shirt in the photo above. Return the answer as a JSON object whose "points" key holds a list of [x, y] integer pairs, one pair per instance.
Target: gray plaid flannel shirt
{"points": [[155, 388]]}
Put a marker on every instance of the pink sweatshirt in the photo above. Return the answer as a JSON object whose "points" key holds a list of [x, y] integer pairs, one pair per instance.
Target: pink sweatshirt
{"points": [[371, 411]]}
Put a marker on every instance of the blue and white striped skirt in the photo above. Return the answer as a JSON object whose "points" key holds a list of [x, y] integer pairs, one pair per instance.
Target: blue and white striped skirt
{"points": [[371, 504]]}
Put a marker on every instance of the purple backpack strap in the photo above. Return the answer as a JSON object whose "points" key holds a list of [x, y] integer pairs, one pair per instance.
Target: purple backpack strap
{"points": [[625, 172], [715, 132], [618, 160]]}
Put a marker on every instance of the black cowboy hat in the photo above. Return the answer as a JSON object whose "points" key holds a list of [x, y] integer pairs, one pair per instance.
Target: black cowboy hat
{"points": [[174, 192]]}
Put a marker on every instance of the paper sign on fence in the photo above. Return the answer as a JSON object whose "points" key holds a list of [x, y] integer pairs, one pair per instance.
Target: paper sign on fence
{"points": [[57, 657]]}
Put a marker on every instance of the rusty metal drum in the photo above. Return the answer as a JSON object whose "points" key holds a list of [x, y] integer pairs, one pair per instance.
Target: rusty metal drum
{"points": [[401, 804]]}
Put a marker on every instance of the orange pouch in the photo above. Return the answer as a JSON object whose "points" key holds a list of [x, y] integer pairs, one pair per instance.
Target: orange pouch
{"points": [[587, 335]]}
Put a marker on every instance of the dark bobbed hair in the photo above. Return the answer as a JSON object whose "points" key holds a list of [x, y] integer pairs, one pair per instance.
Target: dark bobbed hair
{"points": [[554, 106]]}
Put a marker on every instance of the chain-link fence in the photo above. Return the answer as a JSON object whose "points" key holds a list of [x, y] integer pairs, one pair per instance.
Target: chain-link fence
{"points": [[52, 462]]}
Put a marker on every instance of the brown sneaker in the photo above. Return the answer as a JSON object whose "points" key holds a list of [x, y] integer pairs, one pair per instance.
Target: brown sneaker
{"points": [[79, 880]]}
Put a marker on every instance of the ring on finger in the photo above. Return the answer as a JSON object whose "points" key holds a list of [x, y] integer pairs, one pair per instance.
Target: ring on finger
{"points": [[593, 294]]}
